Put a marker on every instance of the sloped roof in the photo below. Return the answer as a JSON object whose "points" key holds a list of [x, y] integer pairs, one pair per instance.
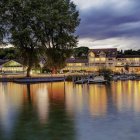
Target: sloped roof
{"points": [[110, 52], [76, 60], [5, 62]]}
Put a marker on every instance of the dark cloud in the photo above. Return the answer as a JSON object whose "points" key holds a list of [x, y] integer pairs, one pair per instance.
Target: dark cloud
{"points": [[110, 21]]}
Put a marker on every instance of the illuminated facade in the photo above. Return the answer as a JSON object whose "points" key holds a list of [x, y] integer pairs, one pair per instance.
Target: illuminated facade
{"points": [[10, 66], [105, 58]]}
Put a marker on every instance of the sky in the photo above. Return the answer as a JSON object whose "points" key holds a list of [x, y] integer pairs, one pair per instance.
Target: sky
{"points": [[109, 23]]}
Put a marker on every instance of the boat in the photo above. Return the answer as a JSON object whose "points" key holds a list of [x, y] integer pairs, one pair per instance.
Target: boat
{"points": [[97, 79], [116, 78], [81, 81], [124, 77], [132, 77]]}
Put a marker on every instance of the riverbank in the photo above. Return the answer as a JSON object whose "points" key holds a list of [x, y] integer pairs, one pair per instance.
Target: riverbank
{"points": [[38, 78], [33, 79], [61, 77]]}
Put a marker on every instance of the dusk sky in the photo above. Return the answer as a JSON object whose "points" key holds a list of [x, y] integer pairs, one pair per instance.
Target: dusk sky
{"points": [[109, 23]]}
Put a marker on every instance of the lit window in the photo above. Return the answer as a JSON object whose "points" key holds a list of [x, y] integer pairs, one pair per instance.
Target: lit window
{"points": [[70, 64], [78, 64], [137, 59], [97, 59], [103, 59]]}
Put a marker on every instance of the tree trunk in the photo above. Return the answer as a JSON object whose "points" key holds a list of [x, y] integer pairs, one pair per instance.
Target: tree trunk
{"points": [[54, 71], [29, 72]]}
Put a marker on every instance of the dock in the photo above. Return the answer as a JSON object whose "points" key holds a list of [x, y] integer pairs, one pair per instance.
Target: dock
{"points": [[39, 80], [33, 79]]}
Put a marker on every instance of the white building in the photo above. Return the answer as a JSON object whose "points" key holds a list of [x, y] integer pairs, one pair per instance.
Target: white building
{"points": [[104, 58]]}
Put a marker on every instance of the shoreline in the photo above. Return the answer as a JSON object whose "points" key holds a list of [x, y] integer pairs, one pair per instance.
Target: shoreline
{"points": [[48, 78], [33, 79]]}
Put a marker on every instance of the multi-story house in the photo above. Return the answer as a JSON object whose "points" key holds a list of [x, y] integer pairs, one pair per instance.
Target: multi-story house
{"points": [[133, 62], [104, 58], [99, 58]]}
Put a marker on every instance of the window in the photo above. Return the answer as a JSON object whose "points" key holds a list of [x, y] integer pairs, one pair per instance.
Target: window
{"points": [[78, 64], [69, 64], [103, 59], [97, 59]]}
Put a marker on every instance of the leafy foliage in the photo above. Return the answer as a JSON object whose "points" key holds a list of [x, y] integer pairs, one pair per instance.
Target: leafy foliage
{"points": [[81, 52], [39, 27], [2, 20], [56, 58], [129, 52], [8, 53], [58, 31], [22, 20]]}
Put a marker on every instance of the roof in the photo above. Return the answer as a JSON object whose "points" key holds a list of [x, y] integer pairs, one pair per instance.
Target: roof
{"points": [[76, 60], [4, 62], [128, 56], [110, 52]]}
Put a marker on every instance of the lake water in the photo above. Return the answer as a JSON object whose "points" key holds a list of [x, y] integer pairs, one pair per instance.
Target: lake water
{"points": [[58, 111]]}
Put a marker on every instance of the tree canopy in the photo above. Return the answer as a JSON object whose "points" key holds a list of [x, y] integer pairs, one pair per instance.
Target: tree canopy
{"points": [[42, 27], [129, 52], [2, 20], [8, 53], [57, 31], [81, 52]]}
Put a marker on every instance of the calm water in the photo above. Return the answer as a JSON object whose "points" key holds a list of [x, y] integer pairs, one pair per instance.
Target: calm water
{"points": [[58, 111]]}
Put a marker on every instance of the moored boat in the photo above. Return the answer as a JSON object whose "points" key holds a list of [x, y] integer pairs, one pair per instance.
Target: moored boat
{"points": [[82, 81], [97, 79], [116, 78]]}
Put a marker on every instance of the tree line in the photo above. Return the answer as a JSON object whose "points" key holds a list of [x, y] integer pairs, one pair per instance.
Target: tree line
{"points": [[79, 52], [129, 52], [39, 29]]}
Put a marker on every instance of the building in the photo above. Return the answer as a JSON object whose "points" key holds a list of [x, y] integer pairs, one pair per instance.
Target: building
{"points": [[105, 58], [133, 61], [73, 64], [11, 66], [99, 58]]}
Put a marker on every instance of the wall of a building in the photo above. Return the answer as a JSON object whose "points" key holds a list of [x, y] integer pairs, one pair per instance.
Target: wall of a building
{"points": [[113, 63]]}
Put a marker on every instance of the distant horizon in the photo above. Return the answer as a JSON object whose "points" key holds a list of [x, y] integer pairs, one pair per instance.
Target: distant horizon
{"points": [[93, 47], [109, 48]]}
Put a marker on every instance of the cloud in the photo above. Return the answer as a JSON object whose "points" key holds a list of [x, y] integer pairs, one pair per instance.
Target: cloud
{"points": [[107, 19], [120, 43]]}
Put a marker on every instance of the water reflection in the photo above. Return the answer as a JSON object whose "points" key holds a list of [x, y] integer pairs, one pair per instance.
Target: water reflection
{"points": [[97, 100], [40, 100], [86, 97], [63, 110], [75, 98], [126, 96], [10, 102]]}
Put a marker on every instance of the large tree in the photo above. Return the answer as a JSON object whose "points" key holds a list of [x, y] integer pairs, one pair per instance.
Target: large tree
{"points": [[22, 19], [47, 26], [58, 25]]}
